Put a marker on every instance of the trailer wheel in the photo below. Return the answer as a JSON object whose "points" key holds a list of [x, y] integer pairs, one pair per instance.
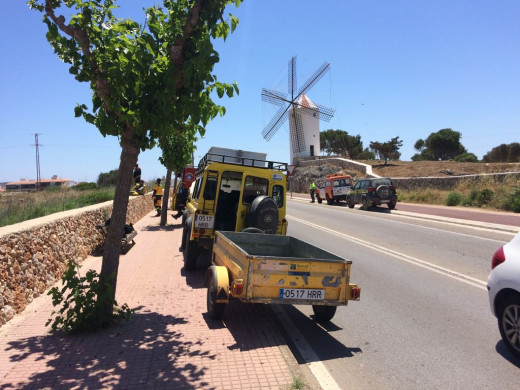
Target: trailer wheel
{"points": [[320, 200], [215, 310], [323, 313]]}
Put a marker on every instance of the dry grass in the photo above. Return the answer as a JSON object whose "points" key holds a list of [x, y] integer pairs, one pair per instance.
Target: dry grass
{"points": [[438, 168]]}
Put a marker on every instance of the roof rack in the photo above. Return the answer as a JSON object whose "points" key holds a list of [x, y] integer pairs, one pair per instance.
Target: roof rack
{"points": [[244, 161]]}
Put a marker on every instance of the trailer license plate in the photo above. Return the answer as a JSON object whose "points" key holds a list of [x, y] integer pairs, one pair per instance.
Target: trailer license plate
{"points": [[204, 221], [301, 293]]}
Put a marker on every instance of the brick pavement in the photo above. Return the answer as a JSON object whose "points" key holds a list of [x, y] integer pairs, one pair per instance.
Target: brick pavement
{"points": [[170, 343]]}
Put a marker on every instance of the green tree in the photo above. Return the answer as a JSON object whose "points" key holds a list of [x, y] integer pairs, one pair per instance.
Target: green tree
{"points": [[441, 145], [387, 150], [108, 179], [177, 151], [504, 153], [143, 79], [341, 143]]}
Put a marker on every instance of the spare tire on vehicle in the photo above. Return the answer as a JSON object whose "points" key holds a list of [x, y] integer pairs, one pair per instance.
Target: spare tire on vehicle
{"points": [[383, 192], [263, 214]]}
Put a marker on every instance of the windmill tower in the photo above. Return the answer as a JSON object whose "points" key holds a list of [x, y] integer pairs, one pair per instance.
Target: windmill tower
{"points": [[304, 115]]}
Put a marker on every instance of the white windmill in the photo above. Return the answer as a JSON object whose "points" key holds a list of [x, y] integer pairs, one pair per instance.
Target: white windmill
{"points": [[304, 115]]}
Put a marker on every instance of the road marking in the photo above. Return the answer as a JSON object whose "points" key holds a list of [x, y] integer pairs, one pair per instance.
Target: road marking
{"points": [[314, 363], [500, 229], [401, 256]]}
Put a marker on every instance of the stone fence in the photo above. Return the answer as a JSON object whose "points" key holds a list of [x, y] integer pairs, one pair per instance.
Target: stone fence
{"points": [[449, 182], [34, 254]]}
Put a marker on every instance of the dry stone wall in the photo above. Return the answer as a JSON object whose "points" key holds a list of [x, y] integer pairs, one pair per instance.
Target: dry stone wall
{"points": [[34, 254]]}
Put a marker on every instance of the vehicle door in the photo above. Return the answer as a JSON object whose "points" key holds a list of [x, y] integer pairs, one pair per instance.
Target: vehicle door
{"points": [[254, 184], [356, 193]]}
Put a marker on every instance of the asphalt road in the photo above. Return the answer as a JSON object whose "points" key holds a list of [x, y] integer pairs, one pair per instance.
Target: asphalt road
{"points": [[423, 321]]}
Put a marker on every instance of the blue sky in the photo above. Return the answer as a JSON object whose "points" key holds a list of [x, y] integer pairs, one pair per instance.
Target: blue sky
{"points": [[402, 68]]}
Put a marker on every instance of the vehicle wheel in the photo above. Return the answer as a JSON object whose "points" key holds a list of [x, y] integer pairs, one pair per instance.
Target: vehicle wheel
{"points": [[191, 251], [183, 238], [323, 313], [263, 214], [383, 192], [329, 200], [215, 310], [319, 200], [349, 203], [509, 323], [252, 230], [365, 203], [391, 205]]}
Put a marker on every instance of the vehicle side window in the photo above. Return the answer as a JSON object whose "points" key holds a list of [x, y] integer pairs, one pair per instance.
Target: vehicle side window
{"points": [[278, 195], [358, 184], [196, 189], [327, 183], [253, 187], [210, 190]]}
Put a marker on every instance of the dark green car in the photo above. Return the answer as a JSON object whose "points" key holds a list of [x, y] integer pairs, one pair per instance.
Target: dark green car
{"points": [[373, 192]]}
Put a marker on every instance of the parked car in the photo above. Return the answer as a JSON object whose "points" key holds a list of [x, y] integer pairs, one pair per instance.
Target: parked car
{"points": [[335, 188], [373, 192], [504, 292]]}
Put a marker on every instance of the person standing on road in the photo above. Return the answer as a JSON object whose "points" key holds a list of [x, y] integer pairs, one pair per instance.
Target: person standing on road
{"points": [[157, 196], [137, 174], [312, 189]]}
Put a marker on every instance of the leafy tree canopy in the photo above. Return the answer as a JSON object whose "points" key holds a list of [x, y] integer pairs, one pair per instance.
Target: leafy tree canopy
{"points": [[441, 145], [504, 153], [387, 150], [339, 142]]}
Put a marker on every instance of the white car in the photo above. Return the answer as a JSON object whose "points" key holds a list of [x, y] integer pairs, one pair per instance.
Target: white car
{"points": [[504, 292]]}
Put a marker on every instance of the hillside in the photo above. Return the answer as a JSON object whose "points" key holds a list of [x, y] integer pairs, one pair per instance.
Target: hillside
{"points": [[438, 168]]}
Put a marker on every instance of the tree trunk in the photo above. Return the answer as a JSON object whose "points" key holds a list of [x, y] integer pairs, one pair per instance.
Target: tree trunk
{"points": [[110, 265], [166, 196]]}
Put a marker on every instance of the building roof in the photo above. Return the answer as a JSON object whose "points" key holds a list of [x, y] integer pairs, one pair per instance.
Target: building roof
{"points": [[34, 181]]}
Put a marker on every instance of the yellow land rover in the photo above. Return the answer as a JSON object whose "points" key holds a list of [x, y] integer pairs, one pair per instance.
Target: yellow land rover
{"points": [[234, 190]]}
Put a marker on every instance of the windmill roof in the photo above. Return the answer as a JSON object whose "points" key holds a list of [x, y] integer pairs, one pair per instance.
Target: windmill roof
{"points": [[304, 101]]}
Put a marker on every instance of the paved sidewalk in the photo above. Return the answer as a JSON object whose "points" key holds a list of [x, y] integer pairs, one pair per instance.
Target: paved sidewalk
{"points": [[170, 343]]}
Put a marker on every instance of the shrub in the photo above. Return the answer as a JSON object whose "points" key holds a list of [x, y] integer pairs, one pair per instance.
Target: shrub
{"points": [[515, 205], [453, 199], [85, 186], [466, 157], [484, 197], [83, 301]]}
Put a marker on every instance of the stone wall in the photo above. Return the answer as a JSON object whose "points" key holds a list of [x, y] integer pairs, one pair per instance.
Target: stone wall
{"points": [[449, 182], [34, 254]]}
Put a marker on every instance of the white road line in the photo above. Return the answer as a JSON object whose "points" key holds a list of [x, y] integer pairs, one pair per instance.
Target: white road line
{"points": [[314, 363], [483, 226], [400, 256]]}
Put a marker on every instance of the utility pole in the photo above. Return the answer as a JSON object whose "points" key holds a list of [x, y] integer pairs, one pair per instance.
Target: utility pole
{"points": [[37, 145]]}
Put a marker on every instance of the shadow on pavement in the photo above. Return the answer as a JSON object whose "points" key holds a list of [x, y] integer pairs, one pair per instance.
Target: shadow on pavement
{"points": [[156, 228], [144, 353], [322, 343], [506, 354]]}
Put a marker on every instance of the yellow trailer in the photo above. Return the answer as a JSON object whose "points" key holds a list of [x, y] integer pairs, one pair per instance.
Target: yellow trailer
{"points": [[268, 268]]}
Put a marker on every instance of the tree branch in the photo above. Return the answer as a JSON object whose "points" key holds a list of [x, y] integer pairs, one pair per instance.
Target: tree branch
{"points": [[81, 37], [177, 49]]}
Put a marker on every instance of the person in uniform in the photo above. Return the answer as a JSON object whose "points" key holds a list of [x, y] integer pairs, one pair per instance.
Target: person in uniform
{"points": [[137, 174], [312, 189], [157, 196]]}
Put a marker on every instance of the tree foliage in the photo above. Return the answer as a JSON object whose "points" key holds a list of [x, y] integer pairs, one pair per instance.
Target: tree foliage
{"points": [[339, 142], [504, 153], [441, 145], [108, 179], [143, 78], [387, 150]]}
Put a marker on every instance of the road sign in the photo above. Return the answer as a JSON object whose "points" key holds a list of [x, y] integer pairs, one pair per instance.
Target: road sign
{"points": [[291, 169]]}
